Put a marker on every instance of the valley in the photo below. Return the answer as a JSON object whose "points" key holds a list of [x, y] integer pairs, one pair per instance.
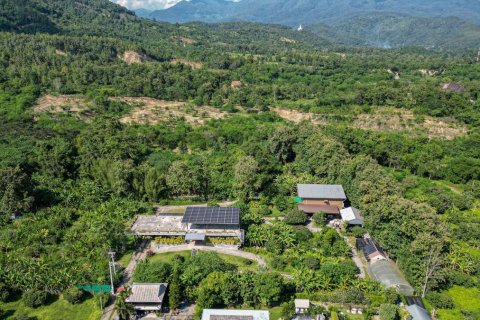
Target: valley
{"points": [[237, 168]]}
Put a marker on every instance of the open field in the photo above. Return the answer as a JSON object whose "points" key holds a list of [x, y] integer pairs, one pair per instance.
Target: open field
{"points": [[58, 309]]}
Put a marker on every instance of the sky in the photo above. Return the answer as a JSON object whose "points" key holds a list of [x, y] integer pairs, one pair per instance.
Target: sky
{"points": [[147, 4]]}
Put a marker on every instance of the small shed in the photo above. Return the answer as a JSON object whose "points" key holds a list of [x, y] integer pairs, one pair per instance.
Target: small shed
{"points": [[352, 216], [302, 305], [147, 296]]}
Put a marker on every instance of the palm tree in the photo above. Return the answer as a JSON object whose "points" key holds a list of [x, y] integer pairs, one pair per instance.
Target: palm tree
{"points": [[122, 307]]}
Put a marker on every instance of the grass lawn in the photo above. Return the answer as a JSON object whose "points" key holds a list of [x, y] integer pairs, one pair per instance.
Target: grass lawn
{"points": [[465, 299], [241, 263], [125, 259], [275, 313], [59, 309]]}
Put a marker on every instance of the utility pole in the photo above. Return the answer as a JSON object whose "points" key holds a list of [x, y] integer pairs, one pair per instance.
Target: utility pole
{"points": [[112, 257], [111, 277], [111, 266]]}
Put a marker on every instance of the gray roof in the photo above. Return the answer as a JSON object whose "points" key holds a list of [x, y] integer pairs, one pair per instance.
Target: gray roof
{"points": [[147, 293], [418, 313], [193, 236], [350, 214], [227, 314], [388, 273], [321, 191]]}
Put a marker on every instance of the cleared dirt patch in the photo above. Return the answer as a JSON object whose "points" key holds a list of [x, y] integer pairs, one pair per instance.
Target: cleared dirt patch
{"points": [[60, 104], [131, 57], [287, 40], [390, 120], [153, 111], [296, 116], [193, 64]]}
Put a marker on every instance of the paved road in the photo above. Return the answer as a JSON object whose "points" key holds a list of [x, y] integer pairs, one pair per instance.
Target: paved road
{"points": [[232, 252]]}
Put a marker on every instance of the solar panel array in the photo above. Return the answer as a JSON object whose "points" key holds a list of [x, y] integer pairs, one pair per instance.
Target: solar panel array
{"points": [[211, 215]]}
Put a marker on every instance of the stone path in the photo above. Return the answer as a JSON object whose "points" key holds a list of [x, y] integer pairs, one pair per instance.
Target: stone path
{"points": [[232, 252]]}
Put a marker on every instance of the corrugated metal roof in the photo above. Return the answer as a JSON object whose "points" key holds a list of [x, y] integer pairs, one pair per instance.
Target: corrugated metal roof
{"points": [[302, 303], [351, 213], [418, 313], [321, 191], [147, 293], [314, 208], [208, 314]]}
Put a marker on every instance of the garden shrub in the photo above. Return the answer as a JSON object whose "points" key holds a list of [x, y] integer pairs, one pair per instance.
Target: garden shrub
{"points": [[319, 218], [440, 300], [388, 311], [358, 232], [34, 298], [295, 216], [73, 295], [169, 240], [21, 316]]}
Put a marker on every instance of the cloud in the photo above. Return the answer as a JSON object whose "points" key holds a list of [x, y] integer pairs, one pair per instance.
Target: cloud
{"points": [[147, 4]]}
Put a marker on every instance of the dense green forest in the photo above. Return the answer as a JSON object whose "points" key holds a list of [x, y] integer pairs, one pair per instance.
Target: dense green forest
{"points": [[77, 179]]}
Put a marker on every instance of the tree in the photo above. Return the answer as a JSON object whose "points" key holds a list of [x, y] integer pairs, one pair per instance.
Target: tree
{"points": [[34, 298], [288, 310], [179, 178], [124, 310], [268, 287], [15, 188], [246, 177], [73, 295], [388, 312], [174, 293]]}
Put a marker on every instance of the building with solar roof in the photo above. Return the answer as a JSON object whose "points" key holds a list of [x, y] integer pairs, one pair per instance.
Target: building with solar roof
{"points": [[197, 225]]}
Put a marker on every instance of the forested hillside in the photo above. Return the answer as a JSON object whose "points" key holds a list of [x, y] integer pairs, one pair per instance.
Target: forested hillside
{"points": [[248, 112]]}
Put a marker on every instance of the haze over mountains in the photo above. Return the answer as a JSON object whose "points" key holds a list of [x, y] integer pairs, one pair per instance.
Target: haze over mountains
{"points": [[438, 24]]}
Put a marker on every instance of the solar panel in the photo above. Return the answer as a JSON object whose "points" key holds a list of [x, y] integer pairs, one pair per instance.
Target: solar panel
{"points": [[211, 215]]}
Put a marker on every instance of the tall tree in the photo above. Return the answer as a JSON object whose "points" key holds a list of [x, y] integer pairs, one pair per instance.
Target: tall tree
{"points": [[247, 177]]}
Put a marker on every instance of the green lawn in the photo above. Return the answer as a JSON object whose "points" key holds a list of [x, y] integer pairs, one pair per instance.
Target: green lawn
{"points": [[59, 309], [125, 259], [465, 299], [242, 263], [275, 313]]}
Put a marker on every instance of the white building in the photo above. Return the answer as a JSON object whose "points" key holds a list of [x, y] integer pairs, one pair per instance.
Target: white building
{"points": [[352, 216], [301, 305], [223, 314]]}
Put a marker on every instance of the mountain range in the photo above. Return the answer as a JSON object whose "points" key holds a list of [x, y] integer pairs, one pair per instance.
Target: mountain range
{"points": [[433, 24], [294, 12]]}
